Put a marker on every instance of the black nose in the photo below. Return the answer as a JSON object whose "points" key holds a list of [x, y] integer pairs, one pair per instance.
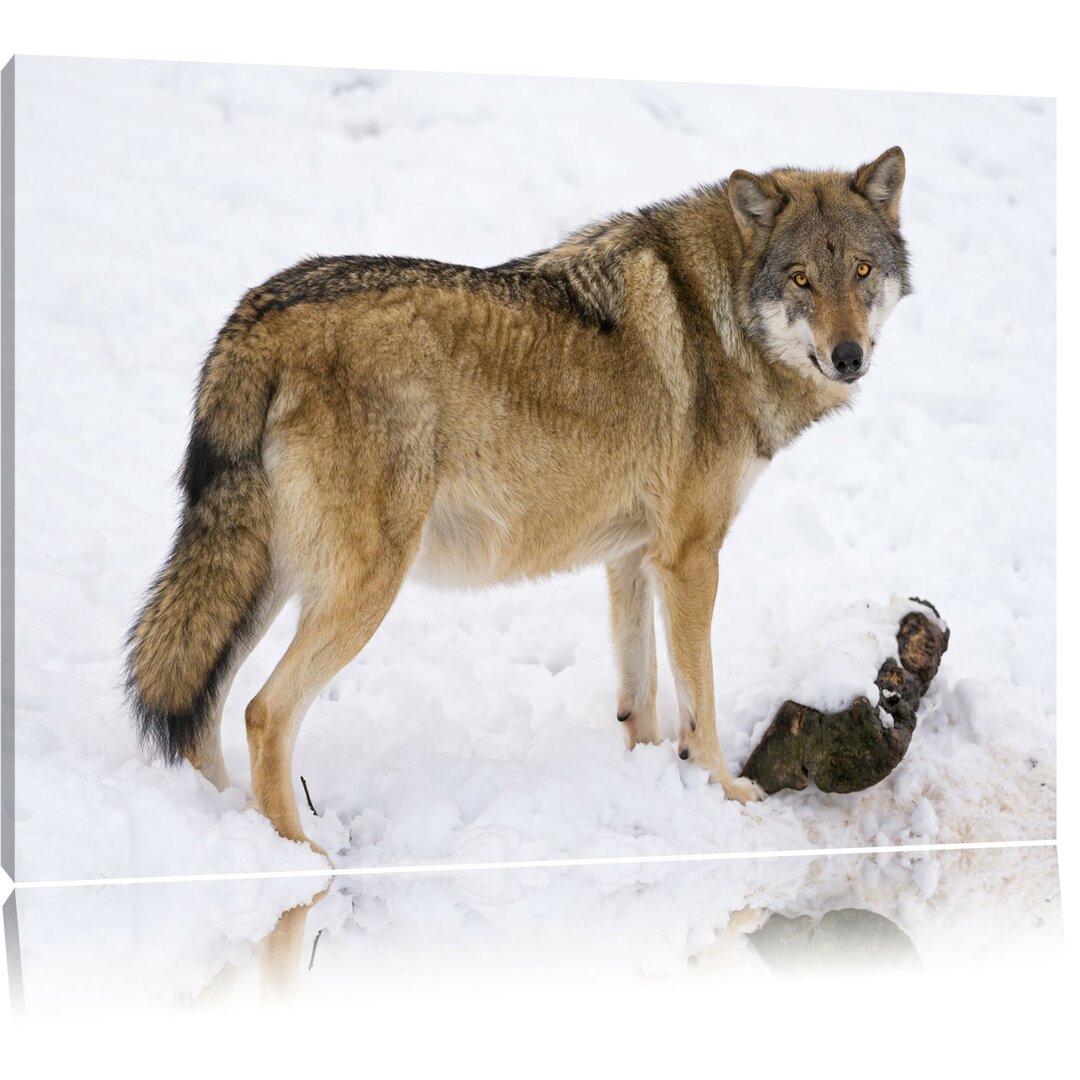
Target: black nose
{"points": [[847, 359]]}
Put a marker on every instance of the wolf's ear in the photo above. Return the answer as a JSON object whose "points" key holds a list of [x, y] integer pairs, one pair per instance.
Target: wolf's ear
{"points": [[753, 206], [881, 181]]}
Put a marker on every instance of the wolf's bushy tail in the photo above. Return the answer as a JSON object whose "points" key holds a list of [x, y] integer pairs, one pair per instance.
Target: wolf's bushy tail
{"points": [[205, 599]]}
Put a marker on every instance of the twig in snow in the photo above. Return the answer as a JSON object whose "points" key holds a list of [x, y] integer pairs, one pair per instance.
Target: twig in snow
{"points": [[307, 795], [314, 946]]}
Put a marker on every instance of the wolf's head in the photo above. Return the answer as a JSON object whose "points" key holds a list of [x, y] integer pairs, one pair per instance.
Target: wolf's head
{"points": [[823, 262]]}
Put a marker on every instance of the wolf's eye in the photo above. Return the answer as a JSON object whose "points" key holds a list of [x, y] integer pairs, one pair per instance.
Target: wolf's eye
{"points": [[800, 279], [862, 270]]}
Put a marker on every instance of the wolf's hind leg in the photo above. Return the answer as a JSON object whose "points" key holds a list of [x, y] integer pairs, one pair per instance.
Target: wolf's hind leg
{"points": [[352, 478], [333, 628], [635, 647], [207, 756]]}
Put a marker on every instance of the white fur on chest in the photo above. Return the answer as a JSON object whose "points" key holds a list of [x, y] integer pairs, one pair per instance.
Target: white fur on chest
{"points": [[754, 468]]}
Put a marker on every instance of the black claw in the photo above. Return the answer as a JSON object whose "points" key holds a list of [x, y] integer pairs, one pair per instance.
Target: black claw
{"points": [[684, 753], [693, 727], [622, 717]]}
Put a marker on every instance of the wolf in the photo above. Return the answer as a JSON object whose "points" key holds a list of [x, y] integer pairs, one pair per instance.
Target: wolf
{"points": [[608, 400]]}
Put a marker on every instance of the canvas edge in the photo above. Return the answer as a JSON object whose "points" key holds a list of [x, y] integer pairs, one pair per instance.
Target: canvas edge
{"points": [[7, 468]]}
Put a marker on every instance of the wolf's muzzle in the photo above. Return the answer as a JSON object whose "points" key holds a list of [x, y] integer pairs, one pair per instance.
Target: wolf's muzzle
{"points": [[847, 359]]}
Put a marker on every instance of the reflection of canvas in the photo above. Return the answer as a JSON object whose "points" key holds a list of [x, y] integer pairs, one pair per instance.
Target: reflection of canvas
{"points": [[227, 942], [479, 726]]}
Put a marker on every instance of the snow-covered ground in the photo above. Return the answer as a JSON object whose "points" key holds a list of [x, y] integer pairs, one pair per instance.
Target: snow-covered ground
{"points": [[480, 726], [224, 942]]}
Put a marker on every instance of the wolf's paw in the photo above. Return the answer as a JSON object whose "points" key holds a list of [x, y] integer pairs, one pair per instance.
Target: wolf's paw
{"points": [[640, 729], [742, 789]]}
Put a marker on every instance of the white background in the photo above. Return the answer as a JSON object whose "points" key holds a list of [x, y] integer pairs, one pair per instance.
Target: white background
{"points": [[920, 47]]}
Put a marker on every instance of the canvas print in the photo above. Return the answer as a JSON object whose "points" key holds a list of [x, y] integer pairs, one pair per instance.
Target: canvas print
{"points": [[426, 468]]}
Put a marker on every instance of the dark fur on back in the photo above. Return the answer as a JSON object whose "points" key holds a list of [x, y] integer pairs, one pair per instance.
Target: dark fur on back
{"points": [[586, 283]]}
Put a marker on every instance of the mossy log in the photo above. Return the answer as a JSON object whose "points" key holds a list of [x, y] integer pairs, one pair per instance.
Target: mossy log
{"points": [[852, 749]]}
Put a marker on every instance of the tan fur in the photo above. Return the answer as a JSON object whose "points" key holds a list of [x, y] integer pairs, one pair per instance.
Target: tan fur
{"points": [[477, 434]]}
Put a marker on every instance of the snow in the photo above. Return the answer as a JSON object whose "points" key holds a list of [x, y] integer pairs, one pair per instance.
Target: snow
{"points": [[480, 726]]}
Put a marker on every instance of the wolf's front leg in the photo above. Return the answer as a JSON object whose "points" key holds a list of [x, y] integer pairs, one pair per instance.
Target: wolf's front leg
{"points": [[635, 648], [688, 587]]}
